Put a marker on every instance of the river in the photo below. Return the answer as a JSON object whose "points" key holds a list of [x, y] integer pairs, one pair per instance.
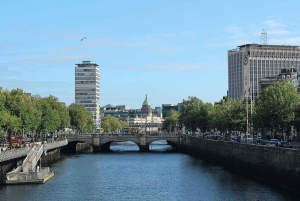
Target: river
{"points": [[127, 174]]}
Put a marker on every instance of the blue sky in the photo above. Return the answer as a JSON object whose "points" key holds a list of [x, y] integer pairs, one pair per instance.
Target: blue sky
{"points": [[168, 49]]}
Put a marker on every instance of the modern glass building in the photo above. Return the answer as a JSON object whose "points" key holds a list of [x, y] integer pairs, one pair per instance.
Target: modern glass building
{"points": [[251, 62], [87, 88]]}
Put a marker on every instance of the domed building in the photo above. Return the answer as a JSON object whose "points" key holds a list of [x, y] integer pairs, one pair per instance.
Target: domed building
{"points": [[146, 110], [148, 119]]}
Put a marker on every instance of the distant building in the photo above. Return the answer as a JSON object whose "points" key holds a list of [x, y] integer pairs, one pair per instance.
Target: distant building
{"points": [[87, 88], [249, 63], [290, 73], [147, 118], [167, 107]]}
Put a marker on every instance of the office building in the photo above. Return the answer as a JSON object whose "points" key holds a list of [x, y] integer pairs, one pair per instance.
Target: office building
{"points": [[251, 62], [291, 74], [87, 88], [167, 107]]}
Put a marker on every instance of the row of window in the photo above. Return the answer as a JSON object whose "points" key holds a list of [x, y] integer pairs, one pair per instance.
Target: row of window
{"points": [[85, 78], [86, 74], [86, 82], [87, 89], [276, 54]]}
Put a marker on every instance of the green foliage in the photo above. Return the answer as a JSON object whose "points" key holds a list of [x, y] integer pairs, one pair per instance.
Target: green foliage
{"points": [[194, 114], [80, 118], [171, 120], [236, 115], [276, 107], [112, 124], [20, 105], [218, 118]]}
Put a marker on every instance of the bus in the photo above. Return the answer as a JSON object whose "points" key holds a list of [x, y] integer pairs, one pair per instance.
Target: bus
{"points": [[132, 129], [15, 141], [99, 130]]}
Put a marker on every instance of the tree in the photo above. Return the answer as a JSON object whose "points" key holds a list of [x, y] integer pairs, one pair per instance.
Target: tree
{"points": [[62, 111], [50, 117], [194, 114], [112, 124], [236, 115], [80, 118], [276, 107], [20, 105], [217, 118], [171, 120]]}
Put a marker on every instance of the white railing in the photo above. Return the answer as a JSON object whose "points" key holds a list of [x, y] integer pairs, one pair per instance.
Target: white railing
{"points": [[39, 152], [13, 173]]}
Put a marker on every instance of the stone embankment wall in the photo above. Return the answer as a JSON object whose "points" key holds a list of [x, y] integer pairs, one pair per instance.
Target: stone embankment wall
{"points": [[83, 148], [52, 156], [276, 165]]}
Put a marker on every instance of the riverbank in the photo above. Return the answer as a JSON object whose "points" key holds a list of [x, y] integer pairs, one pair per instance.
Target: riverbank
{"points": [[278, 166]]}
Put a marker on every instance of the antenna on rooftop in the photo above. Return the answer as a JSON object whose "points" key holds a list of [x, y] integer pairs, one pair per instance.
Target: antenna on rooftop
{"points": [[263, 38]]}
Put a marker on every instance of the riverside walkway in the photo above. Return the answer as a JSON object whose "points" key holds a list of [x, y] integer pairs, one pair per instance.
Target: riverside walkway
{"points": [[22, 152]]}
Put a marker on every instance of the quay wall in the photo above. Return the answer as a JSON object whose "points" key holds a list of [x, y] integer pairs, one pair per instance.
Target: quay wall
{"points": [[50, 157], [83, 147], [276, 165]]}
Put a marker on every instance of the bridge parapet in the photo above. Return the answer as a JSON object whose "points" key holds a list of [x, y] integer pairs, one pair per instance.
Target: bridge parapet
{"points": [[55, 144], [12, 154]]}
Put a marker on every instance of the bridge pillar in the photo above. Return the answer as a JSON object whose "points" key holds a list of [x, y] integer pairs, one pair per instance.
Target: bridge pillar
{"points": [[144, 148]]}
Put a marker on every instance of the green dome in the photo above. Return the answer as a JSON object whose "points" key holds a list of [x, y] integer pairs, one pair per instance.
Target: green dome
{"points": [[146, 102]]}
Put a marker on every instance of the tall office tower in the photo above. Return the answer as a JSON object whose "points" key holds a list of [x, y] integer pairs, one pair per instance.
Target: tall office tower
{"points": [[250, 62], [87, 88]]}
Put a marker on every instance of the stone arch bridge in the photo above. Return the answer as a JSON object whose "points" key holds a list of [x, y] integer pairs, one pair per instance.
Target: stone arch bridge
{"points": [[101, 142]]}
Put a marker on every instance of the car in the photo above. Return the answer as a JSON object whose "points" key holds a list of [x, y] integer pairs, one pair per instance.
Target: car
{"points": [[265, 142], [277, 142], [272, 144], [285, 144]]}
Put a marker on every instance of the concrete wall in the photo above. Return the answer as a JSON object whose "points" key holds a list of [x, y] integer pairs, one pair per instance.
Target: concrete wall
{"points": [[83, 147], [8, 166], [52, 156], [276, 165]]}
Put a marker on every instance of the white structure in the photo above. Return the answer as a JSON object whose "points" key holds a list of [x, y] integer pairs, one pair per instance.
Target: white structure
{"points": [[87, 88], [249, 63]]}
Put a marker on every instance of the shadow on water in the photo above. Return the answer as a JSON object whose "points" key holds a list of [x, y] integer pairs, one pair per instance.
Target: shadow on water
{"points": [[160, 146]]}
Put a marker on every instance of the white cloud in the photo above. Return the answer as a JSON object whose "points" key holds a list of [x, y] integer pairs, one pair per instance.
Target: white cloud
{"points": [[287, 41], [50, 59], [178, 67], [273, 24], [190, 34]]}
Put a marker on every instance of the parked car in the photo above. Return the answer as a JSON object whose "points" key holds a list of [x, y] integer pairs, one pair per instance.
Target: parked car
{"points": [[215, 137], [265, 142], [277, 142], [285, 144], [272, 144]]}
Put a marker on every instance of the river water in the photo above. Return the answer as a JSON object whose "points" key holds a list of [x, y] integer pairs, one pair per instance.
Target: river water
{"points": [[127, 174]]}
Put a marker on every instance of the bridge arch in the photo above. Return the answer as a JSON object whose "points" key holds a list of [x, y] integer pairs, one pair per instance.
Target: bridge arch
{"points": [[105, 146], [71, 147], [170, 142]]}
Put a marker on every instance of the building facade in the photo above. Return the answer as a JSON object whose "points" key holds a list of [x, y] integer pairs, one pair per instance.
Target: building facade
{"points": [[147, 118], [291, 74], [251, 62], [167, 107], [87, 88]]}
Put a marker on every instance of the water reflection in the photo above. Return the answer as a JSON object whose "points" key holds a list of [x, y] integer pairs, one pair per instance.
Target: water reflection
{"points": [[128, 146]]}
